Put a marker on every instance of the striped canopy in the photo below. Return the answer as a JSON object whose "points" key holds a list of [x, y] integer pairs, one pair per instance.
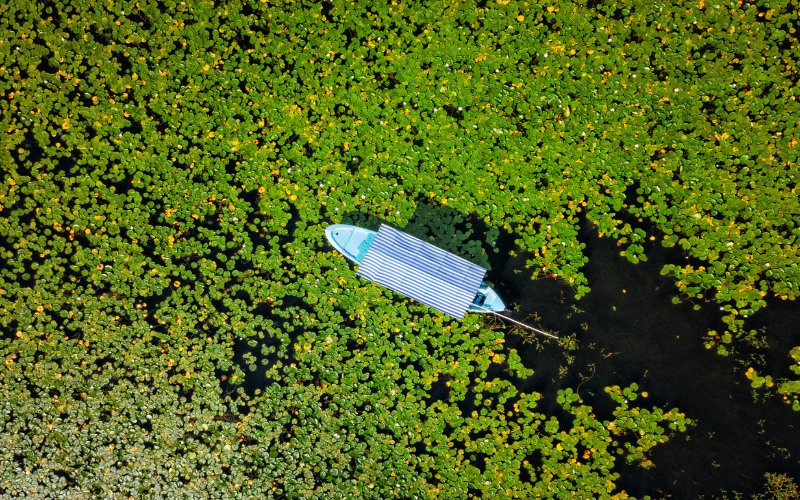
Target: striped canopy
{"points": [[422, 271]]}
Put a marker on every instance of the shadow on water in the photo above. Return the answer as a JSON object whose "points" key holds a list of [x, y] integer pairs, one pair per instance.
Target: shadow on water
{"points": [[464, 235], [634, 333]]}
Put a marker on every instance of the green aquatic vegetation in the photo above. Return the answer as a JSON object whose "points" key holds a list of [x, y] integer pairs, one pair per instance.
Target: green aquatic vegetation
{"points": [[172, 319], [779, 486]]}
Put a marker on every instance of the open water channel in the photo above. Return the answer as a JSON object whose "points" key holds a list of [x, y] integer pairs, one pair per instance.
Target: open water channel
{"points": [[630, 331]]}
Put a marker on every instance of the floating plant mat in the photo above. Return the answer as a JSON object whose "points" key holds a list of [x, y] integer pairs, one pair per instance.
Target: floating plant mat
{"points": [[172, 320]]}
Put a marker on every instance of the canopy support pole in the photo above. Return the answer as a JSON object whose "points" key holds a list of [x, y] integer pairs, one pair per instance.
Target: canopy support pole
{"points": [[541, 332]]}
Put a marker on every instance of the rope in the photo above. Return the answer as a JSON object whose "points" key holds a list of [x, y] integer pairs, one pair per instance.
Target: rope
{"points": [[541, 332]]}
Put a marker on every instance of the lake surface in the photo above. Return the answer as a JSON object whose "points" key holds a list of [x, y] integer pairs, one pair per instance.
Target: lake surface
{"points": [[630, 331]]}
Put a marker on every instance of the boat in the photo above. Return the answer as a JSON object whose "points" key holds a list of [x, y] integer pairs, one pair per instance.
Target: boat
{"points": [[428, 265], [417, 269]]}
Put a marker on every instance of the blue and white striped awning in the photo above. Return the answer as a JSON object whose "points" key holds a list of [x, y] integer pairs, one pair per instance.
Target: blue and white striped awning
{"points": [[424, 272]]}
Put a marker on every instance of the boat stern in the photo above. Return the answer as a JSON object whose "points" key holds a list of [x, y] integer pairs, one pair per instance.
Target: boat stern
{"points": [[487, 299]]}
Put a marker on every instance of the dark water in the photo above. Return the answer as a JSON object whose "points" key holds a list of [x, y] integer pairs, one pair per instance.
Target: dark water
{"points": [[630, 331]]}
